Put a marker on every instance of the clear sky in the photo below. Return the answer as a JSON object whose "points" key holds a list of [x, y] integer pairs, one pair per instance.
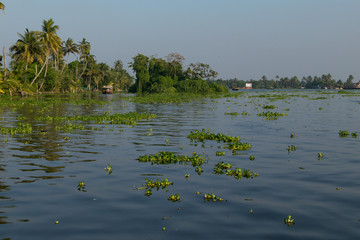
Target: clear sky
{"points": [[242, 39]]}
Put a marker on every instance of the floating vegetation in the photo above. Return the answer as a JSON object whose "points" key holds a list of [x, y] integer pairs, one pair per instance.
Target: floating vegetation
{"points": [[289, 221], [343, 133], [244, 113], [22, 128], [69, 127], [225, 168], [210, 197], [130, 118], [269, 107], [150, 184], [320, 155], [220, 153], [187, 175], [207, 135], [81, 186], [252, 157], [239, 146], [354, 134], [271, 115], [174, 197], [108, 169], [292, 135], [171, 157], [291, 148], [232, 113]]}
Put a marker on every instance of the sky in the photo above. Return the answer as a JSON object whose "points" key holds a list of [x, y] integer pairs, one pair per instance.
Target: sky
{"points": [[243, 39]]}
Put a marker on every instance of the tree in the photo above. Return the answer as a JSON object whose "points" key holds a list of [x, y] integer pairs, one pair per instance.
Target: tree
{"points": [[27, 48], [349, 82], [69, 47], [140, 66], [51, 43], [197, 71], [85, 55], [2, 7], [175, 60]]}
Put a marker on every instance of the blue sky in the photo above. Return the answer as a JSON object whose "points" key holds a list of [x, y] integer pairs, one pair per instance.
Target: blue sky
{"points": [[242, 39]]}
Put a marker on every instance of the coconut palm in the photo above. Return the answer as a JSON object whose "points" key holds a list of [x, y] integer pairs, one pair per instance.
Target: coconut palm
{"points": [[51, 42], [85, 55], [2, 7], [27, 48], [69, 47]]}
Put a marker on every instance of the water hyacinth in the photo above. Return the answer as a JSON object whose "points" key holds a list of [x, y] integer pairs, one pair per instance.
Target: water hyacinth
{"points": [[207, 135], [171, 158], [130, 118]]}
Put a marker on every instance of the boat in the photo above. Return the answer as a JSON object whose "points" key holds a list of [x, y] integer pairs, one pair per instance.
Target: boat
{"points": [[107, 89]]}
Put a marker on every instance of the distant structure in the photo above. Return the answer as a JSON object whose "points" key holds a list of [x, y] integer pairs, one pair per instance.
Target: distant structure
{"points": [[247, 86]]}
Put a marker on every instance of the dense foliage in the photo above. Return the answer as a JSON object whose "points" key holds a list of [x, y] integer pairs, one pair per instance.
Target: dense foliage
{"points": [[310, 82], [157, 75], [39, 63]]}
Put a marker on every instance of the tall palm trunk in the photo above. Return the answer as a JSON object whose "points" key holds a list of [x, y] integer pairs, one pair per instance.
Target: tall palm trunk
{"points": [[67, 59], [39, 72], [4, 63]]}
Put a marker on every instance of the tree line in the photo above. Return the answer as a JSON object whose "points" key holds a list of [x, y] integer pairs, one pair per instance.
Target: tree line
{"points": [[158, 75], [310, 82], [39, 63]]}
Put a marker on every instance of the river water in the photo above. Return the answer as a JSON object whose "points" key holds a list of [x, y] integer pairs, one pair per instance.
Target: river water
{"points": [[40, 171]]}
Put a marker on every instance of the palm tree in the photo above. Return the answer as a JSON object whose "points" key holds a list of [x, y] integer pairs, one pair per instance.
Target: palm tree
{"points": [[2, 7], [51, 42], [69, 47], [85, 55], [27, 48]]}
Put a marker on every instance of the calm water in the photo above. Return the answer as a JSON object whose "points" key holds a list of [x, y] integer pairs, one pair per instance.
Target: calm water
{"points": [[39, 172]]}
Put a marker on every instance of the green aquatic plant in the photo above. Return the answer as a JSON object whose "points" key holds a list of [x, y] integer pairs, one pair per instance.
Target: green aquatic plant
{"points": [[108, 169], [130, 118], [187, 176], [252, 157], [81, 186], [268, 106], [148, 192], [291, 148], [158, 184], [320, 155], [354, 134], [271, 115], [232, 113], [343, 133], [171, 157], [238, 146], [22, 128], [292, 135], [207, 135], [198, 170], [210, 197], [244, 113], [220, 153], [69, 127], [225, 168], [289, 221], [174, 197]]}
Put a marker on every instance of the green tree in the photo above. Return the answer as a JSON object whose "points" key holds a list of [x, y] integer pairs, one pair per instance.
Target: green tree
{"points": [[198, 71], [69, 47], [85, 56], [140, 66], [27, 48], [349, 82], [51, 44]]}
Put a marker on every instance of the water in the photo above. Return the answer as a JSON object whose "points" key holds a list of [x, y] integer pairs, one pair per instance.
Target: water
{"points": [[39, 173]]}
